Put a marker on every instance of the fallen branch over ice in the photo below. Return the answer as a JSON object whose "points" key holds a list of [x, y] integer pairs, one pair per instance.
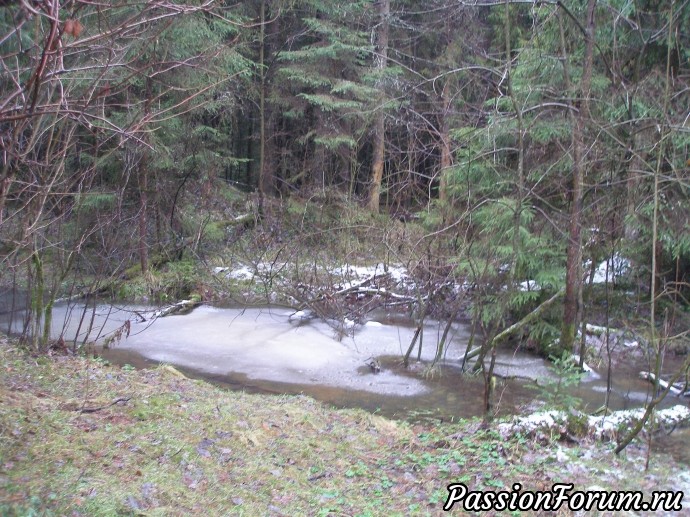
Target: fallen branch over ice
{"points": [[597, 330], [175, 307], [382, 291], [675, 389]]}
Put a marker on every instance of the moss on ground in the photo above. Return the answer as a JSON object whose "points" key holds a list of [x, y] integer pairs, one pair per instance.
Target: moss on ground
{"points": [[81, 437]]}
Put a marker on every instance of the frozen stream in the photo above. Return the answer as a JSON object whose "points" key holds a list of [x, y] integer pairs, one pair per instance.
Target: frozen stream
{"points": [[274, 350]]}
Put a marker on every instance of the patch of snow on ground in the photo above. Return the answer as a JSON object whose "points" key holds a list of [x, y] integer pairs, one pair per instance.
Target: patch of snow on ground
{"points": [[618, 267], [600, 426], [397, 273], [350, 274], [609, 425], [529, 285], [300, 316], [241, 273]]}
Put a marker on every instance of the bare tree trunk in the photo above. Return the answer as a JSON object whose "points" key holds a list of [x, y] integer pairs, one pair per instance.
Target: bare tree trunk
{"points": [[265, 173], [141, 164], [574, 257], [379, 124], [37, 301], [446, 155], [143, 218], [573, 279]]}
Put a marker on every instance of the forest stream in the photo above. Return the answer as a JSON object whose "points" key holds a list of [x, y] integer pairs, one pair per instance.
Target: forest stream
{"points": [[275, 350]]}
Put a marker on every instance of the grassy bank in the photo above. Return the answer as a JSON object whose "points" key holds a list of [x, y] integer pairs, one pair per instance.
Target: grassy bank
{"points": [[80, 437]]}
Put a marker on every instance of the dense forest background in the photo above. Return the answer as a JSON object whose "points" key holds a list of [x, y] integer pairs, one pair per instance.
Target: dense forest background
{"points": [[516, 145]]}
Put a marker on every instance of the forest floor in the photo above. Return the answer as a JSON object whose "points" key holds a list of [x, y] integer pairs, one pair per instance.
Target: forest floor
{"points": [[81, 437]]}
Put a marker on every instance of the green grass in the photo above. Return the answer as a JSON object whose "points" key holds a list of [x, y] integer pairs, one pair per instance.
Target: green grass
{"points": [[175, 446]]}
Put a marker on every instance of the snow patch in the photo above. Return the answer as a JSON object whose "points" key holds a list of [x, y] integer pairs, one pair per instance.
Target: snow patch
{"points": [[299, 316], [600, 427], [354, 274], [241, 273], [529, 285], [617, 268], [349, 274]]}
